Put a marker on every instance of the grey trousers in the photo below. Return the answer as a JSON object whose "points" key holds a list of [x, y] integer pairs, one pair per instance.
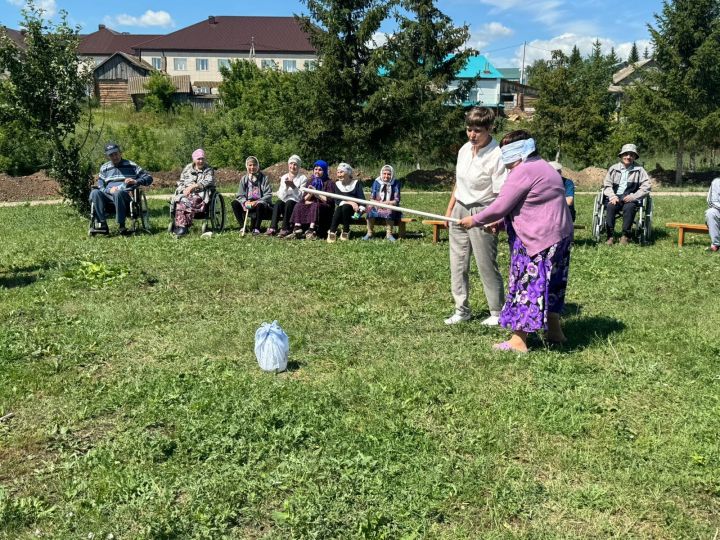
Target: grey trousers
{"points": [[463, 244], [712, 218]]}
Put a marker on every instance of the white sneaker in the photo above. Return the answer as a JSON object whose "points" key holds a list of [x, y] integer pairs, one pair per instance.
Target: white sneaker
{"points": [[458, 318], [492, 320]]}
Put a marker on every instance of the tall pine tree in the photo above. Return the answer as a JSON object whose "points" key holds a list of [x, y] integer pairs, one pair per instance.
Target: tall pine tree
{"points": [[679, 103], [634, 56], [345, 80], [419, 62]]}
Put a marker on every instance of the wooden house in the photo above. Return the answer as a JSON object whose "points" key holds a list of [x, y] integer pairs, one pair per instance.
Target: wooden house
{"points": [[112, 76]]}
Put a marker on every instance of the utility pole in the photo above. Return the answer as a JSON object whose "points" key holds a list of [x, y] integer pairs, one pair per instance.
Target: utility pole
{"points": [[521, 97], [251, 55]]}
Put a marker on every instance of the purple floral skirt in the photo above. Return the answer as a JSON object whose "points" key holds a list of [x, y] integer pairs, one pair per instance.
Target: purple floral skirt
{"points": [[536, 285]]}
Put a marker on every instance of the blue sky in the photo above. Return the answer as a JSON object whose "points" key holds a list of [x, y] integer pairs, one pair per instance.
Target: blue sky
{"points": [[498, 27]]}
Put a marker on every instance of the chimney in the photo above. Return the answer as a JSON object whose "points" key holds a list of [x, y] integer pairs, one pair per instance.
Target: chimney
{"points": [[101, 27], [211, 19]]}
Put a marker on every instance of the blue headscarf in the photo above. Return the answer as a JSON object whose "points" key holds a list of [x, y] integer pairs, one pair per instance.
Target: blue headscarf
{"points": [[324, 166]]}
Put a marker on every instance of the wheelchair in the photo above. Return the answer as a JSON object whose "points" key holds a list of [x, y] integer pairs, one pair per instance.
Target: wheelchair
{"points": [[213, 216], [138, 212], [642, 224]]}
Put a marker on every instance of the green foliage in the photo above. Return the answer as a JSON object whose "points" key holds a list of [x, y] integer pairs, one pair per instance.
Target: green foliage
{"points": [[46, 83], [573, 112], [419, 62], [160, 93], [634, 55], [22, 151], [140, 411], [678, 104], [347, 77]]}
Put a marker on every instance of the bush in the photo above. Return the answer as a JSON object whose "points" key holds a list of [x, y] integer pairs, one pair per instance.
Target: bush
{"points": [[21, 150]]}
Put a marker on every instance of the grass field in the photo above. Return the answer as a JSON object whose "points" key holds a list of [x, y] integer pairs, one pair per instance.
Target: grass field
{"points": [[140, 411]]}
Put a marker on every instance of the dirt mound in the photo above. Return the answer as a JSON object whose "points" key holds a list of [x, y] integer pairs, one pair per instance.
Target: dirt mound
{"points": [[435, 178], [25, 188]]}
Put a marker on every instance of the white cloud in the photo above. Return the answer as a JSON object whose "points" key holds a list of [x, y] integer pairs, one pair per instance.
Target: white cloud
{"points": [[149, 18], [378, 39], [543, 11], [487, 33], [49, 7], [539, 49]]}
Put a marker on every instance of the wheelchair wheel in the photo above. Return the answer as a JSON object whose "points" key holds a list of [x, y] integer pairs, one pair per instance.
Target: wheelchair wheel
{"points": [[598, 216], [216, 214], [645, 222], [143, 212]]}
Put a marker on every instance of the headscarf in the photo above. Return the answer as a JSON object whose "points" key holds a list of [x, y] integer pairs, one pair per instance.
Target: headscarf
{"points": [[197, 154], [254, 159], [385, 191], [518, 150], [347, 168], [295, 159], [324, 166]]}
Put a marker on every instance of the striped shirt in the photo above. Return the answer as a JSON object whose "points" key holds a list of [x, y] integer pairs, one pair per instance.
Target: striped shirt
{"points": [[115, 175]]}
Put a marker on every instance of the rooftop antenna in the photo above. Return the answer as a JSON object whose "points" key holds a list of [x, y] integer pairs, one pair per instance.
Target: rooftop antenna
{"points": [[251, 56]]}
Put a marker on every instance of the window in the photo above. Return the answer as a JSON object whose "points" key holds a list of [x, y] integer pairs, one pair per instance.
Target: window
{"points": [[311, 65], [180, 64], [202, 64], [157, 63], [268, 64], [223, 63], [289, 65]]}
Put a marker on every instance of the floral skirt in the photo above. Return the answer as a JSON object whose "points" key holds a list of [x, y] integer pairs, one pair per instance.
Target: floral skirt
{"points": [[186, 209], [536, 285]]}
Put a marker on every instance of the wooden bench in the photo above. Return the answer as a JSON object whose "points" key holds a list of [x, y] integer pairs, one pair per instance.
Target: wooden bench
{"points": [[686, 227], [381, 222], [437, 225]]}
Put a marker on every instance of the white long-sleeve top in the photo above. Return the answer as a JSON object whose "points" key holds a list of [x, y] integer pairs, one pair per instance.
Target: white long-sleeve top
{"points": [[713, 196], [286, 193], [478, 178]]}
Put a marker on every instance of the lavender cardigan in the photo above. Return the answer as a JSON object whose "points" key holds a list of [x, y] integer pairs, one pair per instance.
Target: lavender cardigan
{"points": [[533, 198]]}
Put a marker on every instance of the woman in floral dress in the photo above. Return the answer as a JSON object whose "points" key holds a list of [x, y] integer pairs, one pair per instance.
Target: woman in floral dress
{"points": [[532, 206]]}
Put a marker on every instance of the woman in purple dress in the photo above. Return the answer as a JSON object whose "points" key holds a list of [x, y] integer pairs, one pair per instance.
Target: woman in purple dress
{"points": [[540, 232], [310, 209]]}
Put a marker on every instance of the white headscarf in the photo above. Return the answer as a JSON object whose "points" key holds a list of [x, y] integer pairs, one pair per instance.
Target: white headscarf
{"points": [[518, 150], [392, 174], [295, 159]]}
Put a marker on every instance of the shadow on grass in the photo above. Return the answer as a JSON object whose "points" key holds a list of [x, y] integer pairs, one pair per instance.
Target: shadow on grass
{"points": [[582, 332], [20, 277]]}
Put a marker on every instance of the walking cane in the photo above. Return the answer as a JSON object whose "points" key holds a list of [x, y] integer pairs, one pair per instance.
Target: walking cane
{"points": [[247, 213]]}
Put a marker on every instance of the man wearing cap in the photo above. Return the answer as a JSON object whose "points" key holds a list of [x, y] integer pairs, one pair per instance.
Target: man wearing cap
{"points": [[117, 178], [569, 186], [626, 184]]}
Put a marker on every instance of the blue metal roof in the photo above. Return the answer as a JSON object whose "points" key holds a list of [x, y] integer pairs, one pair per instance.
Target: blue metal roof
{"points": [[479, 66]]}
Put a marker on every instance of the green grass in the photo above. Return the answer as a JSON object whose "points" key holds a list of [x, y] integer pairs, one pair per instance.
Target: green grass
{"points": [[140, 411]]}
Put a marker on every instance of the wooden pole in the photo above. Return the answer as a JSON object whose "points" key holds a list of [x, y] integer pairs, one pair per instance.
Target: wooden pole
{"points": [[363, 202]]}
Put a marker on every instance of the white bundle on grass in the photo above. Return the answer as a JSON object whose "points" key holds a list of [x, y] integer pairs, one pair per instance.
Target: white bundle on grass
{"points": [[271, 347]]}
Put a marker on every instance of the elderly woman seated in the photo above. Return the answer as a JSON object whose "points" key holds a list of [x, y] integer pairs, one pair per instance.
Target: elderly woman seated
{"points": [[191, 196], [712, 215]]}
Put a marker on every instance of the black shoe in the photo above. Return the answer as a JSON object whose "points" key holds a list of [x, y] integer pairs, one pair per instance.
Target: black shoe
{"points": [[181, 231], [99, 228], [124, 231]]}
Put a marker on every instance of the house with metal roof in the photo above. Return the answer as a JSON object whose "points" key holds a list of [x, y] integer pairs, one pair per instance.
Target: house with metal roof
{"points": [[104, 42], [202, 49], [496, 88]]}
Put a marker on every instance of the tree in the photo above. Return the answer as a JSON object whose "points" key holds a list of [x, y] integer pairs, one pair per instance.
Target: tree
{"points": [[646, 54], [160, 93], [419, 62], [346, 78], [678, 104], [634, 56], [45, 86]]}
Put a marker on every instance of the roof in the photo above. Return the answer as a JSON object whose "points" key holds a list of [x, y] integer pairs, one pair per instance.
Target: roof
{"points": [[136, 85], [512, 74], [15, 35], [235, 33], [108, 41], [479, 66], [128, 58], [625, 72]]}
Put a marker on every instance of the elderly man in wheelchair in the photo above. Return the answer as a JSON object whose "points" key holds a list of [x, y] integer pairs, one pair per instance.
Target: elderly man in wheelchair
{"points": [[196, 197], [118, 188], [625, 189]]}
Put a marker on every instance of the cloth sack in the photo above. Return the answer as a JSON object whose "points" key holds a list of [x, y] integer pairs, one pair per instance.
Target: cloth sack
{"points": [[271, 347]]}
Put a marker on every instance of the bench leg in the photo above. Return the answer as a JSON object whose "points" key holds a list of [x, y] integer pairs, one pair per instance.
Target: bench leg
{"points": [[401, 230], [681, 236], [436, 233]]}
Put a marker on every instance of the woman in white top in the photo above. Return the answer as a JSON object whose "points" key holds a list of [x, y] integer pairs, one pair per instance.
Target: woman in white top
{"points": [[479, 175], [288, 195]]}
